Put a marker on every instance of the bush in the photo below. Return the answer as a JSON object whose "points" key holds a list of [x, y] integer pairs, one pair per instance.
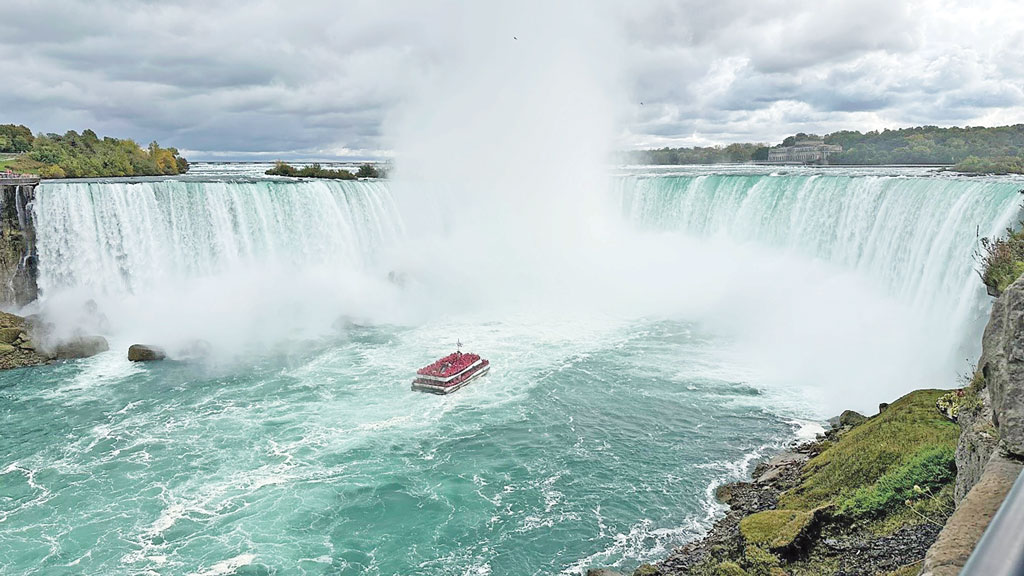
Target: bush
{"points": [[52, 171], [929, 469], [1001, 260], [368, 171], [311, 171]]}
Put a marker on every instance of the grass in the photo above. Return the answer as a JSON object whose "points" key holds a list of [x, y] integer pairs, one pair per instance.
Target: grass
{"points": [[929, 469], [775, 528], [865, 454]]}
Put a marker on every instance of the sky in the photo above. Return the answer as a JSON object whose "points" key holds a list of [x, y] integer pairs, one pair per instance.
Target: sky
{"points": [[324, 79]]}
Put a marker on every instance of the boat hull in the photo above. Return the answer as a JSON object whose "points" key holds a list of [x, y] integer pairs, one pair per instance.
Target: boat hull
{"points": [[422, 385]]}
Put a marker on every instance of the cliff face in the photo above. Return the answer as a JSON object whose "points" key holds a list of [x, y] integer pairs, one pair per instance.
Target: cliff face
{"points": [[990, 452], [17, 246]]}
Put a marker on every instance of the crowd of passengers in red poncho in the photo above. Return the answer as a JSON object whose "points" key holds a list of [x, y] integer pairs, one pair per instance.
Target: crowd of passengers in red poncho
{"points": [[450, 364]]}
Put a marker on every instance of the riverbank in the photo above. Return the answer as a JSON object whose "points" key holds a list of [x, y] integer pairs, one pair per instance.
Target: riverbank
{"points": [[868, 497], [907, 491]]}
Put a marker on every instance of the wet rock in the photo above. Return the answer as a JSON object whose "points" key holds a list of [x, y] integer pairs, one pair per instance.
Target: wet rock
{"points": [[602, 572], [144, 353], [79, 347]]}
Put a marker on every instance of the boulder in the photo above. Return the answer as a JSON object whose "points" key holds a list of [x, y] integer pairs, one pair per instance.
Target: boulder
{"points": [[144, 353], [602, 572], [10, 335], [851, 418], [79, 347]]}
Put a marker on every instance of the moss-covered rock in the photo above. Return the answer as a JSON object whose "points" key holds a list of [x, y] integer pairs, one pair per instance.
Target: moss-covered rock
{"points": [[10, 335], [777, 530]]}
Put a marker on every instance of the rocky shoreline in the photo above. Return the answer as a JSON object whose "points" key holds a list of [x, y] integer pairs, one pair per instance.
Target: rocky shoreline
{"points": [[906, 492], [820, 541]]}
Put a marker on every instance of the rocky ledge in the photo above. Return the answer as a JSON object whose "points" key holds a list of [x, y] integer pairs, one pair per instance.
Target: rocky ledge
{"points": [[853, 502], [29, 342]]}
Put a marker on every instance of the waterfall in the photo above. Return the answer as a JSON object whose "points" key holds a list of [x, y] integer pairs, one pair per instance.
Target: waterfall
{"points": [[914, 236], [127, 237]]}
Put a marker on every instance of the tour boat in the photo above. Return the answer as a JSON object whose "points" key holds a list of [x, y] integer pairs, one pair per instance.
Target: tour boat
{"points": [[450, 373]]}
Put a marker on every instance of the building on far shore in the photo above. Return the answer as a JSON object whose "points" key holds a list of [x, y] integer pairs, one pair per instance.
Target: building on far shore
{"points": [[804, 152]]}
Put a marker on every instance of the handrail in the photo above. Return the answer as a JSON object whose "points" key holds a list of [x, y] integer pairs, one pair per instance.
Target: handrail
{"points": [[1000, 552]]}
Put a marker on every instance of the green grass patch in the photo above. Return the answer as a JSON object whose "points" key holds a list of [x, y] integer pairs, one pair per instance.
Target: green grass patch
{"points": [[775, 528], [868, 452], [925, 472]]}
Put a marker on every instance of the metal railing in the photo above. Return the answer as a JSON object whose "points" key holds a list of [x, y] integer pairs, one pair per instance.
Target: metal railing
{"points": [[1000, 552]]}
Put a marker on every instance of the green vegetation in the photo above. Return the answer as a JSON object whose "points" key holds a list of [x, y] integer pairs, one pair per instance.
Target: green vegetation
{"points": [[85, 155], [371, 171], [907, 434], [1001, 260], [999, 165], [927, 470], [775, 528], [733, 153], [974, 149], [311, 171], [15, 139]]}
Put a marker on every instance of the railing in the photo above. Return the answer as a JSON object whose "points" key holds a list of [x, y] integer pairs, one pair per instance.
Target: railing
{"points": [[1000, 552]]}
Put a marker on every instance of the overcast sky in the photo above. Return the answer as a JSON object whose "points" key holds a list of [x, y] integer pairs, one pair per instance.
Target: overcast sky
{"points": [[321, 79]]}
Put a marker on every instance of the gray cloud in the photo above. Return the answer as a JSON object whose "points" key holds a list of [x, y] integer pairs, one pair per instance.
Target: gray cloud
{"points": [[320, 78]]}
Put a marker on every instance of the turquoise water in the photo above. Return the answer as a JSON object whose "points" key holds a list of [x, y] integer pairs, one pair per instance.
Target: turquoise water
{"points": [[721, 316], [589, 444]]}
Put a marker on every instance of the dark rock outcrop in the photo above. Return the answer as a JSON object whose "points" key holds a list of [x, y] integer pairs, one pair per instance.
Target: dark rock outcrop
{"points": [[144, 353]]}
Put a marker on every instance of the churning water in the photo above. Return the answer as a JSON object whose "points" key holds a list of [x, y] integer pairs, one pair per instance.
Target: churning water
{"points": [[727, 313]]}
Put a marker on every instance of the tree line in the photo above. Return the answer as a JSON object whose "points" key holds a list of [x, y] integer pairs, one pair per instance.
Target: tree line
{"points": [[971, 148], [86, 155]]}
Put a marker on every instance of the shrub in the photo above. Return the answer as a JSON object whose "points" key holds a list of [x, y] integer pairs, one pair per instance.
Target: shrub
{"points": [[1001, 260], [931, 468], [311, 171]]}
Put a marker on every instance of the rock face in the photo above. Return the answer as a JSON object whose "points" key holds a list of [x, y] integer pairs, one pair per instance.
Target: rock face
{"points": [[1002, 365], [991, 446], [144, 353], [977, 443], [18, 266]]}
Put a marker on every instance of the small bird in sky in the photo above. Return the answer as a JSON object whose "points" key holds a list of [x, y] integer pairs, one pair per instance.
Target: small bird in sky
{"points": [[514, 38]]}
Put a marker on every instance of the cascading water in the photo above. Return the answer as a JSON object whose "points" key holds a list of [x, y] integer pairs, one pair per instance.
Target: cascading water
{"points": [[130, 237], [913, 236], [597, 439]]}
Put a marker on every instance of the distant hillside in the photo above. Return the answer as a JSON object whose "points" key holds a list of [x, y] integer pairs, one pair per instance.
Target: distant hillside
{"points": [[971, 149], [84, 155]]}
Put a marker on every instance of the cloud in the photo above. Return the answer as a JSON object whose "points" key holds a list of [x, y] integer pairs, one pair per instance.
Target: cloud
{"points": [[321, 78]]}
